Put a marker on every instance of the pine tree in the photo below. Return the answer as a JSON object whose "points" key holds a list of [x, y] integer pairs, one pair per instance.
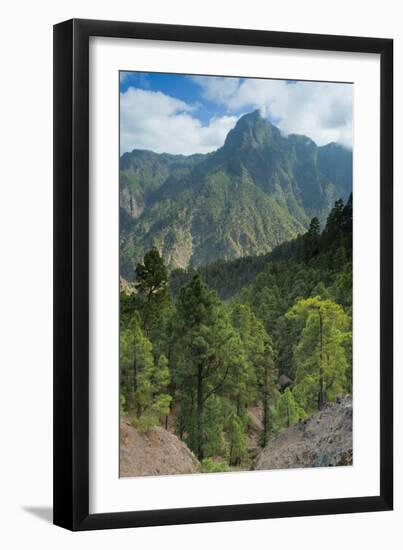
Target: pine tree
{"points": [[288, 410], [267, 382], [144, 384], [205, 351], [312, 239], [260, 375], [335, 220], [151, 284], [151, 275], [251, 348], [237, 441], [347, 221], [320, 354], [214, 441]]}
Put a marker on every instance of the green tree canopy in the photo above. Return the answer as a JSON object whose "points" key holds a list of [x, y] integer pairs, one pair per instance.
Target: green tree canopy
{"points": [[144, 383], [151, 275], [320, 354], [206, 349]]}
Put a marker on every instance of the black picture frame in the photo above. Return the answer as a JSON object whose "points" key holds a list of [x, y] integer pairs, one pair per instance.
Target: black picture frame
{"points": [[71, 274]]}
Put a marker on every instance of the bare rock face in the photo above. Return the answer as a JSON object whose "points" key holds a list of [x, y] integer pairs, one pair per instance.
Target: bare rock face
{"points": [[125, 286], [324, 439], [157, 452], [133, 203]]}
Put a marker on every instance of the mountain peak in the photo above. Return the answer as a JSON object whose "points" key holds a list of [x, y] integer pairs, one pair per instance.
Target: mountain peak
{"points": [[251, 130], [251, 119], [253, 115]]}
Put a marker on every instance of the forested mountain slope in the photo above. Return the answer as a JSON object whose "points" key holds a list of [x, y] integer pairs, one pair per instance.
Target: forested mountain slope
{"points": [[213, 361], [260, 189], [229, 278]]}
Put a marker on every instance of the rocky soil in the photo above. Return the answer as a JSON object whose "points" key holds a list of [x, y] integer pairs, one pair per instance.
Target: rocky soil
{"points": [[324, 439], [157, 452]]}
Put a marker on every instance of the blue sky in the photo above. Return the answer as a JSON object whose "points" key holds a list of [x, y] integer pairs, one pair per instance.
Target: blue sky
{"points": [[190, 114], [182, 87], [178, 86]]}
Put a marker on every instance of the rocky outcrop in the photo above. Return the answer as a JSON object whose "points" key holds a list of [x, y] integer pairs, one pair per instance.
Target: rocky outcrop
{"points": [[157, 452], [131, 202], [324, 439], [125, 286]]}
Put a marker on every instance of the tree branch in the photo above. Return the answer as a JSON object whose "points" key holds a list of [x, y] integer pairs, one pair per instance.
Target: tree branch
{"points": [[220, 383]]}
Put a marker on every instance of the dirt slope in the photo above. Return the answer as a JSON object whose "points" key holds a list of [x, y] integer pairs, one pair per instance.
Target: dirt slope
{"points": [[324, 439], [157, 452]]}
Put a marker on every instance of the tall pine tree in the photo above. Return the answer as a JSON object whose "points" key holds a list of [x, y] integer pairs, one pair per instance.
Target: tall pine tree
{"points": [[206, 349]]}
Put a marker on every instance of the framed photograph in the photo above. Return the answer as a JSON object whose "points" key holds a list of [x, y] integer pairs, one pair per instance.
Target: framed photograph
{"points": [[223, 321]]}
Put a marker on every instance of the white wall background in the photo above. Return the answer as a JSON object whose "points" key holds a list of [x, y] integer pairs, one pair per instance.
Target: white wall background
{"points": [[26, 272]]}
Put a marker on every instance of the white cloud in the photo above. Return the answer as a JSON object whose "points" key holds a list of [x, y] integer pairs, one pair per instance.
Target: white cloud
{"points": [[217, 88], [320, 110], [152, 120], [155, 121]]}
